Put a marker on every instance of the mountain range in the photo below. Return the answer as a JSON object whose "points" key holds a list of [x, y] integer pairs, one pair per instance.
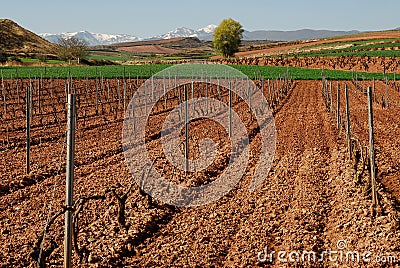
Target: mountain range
{"points": [[95, 39], [92, 39], [205, 33]]}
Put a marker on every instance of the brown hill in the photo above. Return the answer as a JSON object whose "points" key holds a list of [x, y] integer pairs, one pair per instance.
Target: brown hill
{"points": [[15, 39], [181, 45], [148, 42]]}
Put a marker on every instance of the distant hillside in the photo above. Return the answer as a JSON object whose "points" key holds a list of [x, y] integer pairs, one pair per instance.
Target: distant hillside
{"points": [[178, 42], [305, 34], [205, 33], [15, 39], [344, 45], [179, 45]]}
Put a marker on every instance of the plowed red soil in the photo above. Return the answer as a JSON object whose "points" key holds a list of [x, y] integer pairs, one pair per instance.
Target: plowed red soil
{"points": [[309, 201]]}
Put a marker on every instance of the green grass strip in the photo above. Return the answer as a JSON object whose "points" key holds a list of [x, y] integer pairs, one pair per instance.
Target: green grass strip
{"points": [[147, 70]]}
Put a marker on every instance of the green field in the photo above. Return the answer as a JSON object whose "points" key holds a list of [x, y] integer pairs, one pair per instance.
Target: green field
{"points": [[120, 56], [356, 43], [110, 71], [303, 73], [370, 48], [147, 70], [109, 57], [116, 56], [37, 60]]}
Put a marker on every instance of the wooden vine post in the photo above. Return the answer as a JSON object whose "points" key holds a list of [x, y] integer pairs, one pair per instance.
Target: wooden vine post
{"points": [[338, 107], [28, 129], [69, 185], [372, 149], [348, 127]]}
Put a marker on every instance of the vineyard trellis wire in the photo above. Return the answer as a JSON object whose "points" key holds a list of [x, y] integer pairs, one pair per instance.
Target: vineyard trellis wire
{"points": [[108, 97], [45, 115], [358, 152]]}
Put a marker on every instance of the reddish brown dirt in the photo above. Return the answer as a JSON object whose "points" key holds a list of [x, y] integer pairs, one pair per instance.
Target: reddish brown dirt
{"points": [[386, 128], [309, 200]]}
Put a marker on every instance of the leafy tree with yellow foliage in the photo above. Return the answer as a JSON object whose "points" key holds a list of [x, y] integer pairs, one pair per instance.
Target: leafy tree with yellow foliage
{"points": [[227, 37]]}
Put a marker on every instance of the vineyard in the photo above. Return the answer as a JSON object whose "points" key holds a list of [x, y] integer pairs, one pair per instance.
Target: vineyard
{"points": [[357, 63], [318, 190]]}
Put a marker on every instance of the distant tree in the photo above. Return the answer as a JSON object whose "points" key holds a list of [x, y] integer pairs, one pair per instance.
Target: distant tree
{"points": [[227, 37], [3, 57], [72, 48]]}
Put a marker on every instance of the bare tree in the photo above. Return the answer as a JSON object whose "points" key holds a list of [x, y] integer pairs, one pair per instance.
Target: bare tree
{"points": [[72, 48]]}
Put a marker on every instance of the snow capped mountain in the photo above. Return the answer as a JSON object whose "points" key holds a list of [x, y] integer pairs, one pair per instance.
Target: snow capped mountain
{"points": [[93, 39], [107, 39], [178, 32], [208, 29], [205, 33]]}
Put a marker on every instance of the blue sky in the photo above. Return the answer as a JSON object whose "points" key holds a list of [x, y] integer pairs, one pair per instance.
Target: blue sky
{"points": [[148, 18]]}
